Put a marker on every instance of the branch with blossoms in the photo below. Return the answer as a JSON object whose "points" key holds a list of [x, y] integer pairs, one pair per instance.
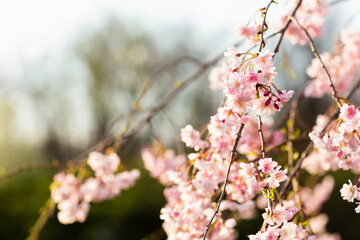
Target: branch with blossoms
{"points": [[231, 166], [246, 80]]}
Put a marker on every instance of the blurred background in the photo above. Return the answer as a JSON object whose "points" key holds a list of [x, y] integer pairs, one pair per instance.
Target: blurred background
{"points": [[69, 68]]}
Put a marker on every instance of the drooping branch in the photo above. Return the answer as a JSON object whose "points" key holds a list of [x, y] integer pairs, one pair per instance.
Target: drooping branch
{"points": [[46, 212], [283, 30], [316, 54], [263, 25], [28, 167], [222, 195], [310, 146], [262, 141]]}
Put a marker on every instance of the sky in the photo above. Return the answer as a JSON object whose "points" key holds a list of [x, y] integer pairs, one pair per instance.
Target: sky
{"points": [[32, 29], [44, 30]]}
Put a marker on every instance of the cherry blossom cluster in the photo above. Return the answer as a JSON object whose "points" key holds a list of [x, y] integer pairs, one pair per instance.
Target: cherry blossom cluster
{"points": [[342, 65], [311, 201], [73, 194], [195, 182], [247, 85], [343, 145], [313, 198], [279, 226], [189, 205], [189, 198], [350, 192], [250, 31], [320, 160], [310, 15], [159, 160], [344, 141]]}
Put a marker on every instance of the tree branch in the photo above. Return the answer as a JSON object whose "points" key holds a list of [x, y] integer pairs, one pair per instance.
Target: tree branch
{"points": [[313, 49], [310, 146], [231, 160], [277, 47]]}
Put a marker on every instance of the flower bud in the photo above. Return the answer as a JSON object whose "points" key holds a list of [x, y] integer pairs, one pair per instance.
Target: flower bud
{"points": [[268, 102]]}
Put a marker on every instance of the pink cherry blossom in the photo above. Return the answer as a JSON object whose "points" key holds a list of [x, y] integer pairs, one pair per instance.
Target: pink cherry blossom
{"points": [[267, 165], [349, 192]]}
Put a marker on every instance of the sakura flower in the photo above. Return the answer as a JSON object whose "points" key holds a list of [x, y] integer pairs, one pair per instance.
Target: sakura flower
{"points": [[215, 78], [347, 112], [288, 231], [276, 177], [357, 209], [191, 138], [73, 195], [267, 165], [349, 192], [245, 31], [103, 164], [280, 215], [159, 164]]}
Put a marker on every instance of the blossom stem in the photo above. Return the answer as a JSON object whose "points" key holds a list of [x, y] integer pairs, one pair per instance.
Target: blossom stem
{"points": [[222, 195], [316, 54], [262, 43], [309, 148], [282, 31]]}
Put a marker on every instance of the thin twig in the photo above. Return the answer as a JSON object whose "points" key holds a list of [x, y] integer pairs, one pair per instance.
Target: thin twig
{"points": [[277, 47], [262, 141], [46, 212], [175, 127], [263, 25], [29, 167], [283, 143], [339, 1], [310, 146], [231, 160], [316, 54]]}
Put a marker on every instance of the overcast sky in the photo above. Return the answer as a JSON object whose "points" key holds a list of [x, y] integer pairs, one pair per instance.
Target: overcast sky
{"points": [[34, 30], [30, 29]]}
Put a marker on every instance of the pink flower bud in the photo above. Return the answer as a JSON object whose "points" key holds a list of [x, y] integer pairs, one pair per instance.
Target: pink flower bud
{"points": [[268, 102], [276, 106]]}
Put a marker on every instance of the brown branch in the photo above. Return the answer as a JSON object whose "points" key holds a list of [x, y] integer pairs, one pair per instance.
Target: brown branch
{"points": [[46, 212], [277, 47], [310, 146], [176, 130], [231, 160], [24, 168], [262, 42], [148, 84], [120, 142], [161, 70], [283, 143], [339, 1], [262, 141], [313, 49]]}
